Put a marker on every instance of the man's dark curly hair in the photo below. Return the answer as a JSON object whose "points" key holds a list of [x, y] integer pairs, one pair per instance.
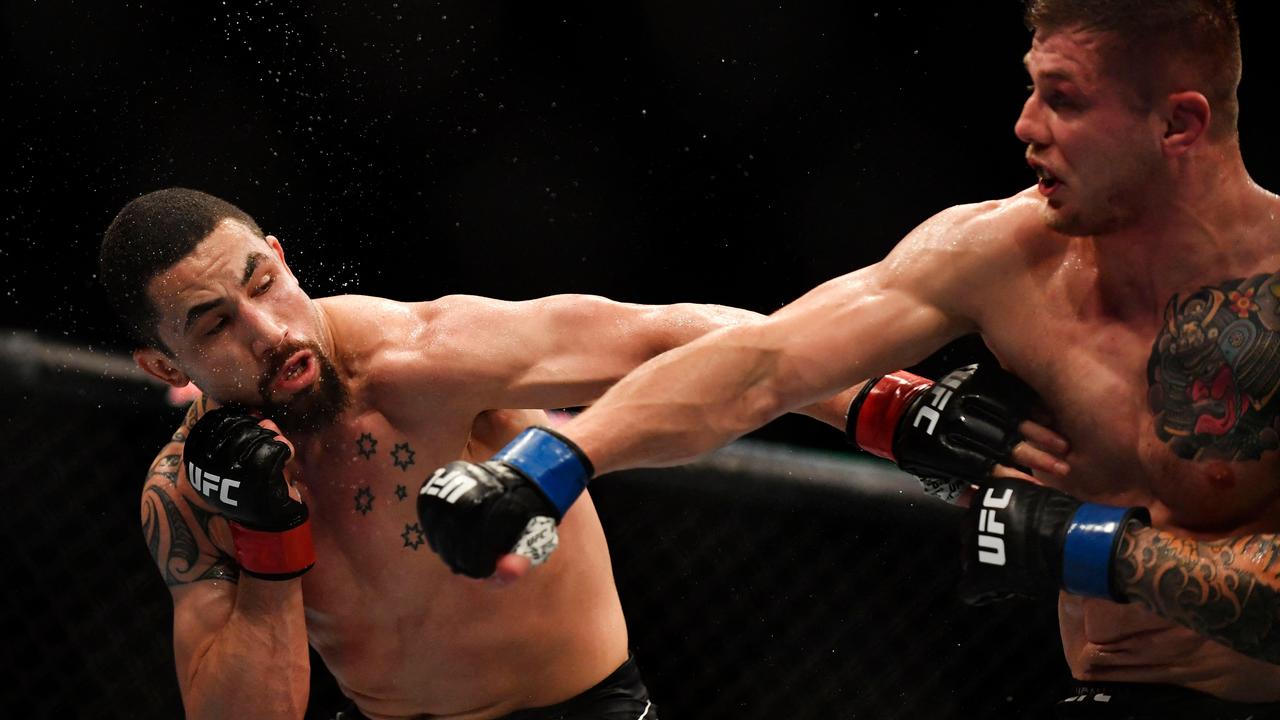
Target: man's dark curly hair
{"points": [[150, 235]]}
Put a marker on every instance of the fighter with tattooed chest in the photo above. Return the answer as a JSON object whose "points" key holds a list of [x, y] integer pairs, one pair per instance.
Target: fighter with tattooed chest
{"points": [[270, 542], [1136, 289]]}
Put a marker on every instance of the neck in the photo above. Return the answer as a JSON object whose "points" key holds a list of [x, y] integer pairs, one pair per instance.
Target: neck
{"points": [[1192, 235], [327, 336]]}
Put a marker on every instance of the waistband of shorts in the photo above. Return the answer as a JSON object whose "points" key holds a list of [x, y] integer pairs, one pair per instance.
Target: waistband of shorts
{"points": [[627, 675]]}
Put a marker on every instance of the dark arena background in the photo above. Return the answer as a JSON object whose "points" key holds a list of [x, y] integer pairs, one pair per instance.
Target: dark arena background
{"points": [[726, 152]]}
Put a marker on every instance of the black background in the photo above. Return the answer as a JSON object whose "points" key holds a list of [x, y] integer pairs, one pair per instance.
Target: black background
{"points": [[724, 152], [728, 152]]}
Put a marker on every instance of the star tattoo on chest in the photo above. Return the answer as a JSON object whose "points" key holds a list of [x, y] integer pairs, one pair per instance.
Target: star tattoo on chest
{"points": [[364, 500], [366, 445], [402, 456], [413, 536], [402, 492], [1215, 368]]}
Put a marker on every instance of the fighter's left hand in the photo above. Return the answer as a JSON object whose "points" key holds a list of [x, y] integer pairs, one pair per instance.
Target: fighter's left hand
{"points": [[499, 518], [1027, 540]]}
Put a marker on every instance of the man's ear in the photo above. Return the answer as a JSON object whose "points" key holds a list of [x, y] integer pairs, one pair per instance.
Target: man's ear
{"points": [[1186, 122], [160, 366], [278, 249]]}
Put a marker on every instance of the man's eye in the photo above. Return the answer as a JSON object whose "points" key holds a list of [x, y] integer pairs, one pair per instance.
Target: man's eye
{"points": [[265, 285], [217, 327]]}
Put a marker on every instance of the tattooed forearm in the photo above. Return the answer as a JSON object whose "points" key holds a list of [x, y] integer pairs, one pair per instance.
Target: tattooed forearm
{"points": [[1226, 589], [175, 546]]}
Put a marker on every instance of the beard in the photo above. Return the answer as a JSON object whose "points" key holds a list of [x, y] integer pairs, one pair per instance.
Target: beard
{"points": [[309, 410]]}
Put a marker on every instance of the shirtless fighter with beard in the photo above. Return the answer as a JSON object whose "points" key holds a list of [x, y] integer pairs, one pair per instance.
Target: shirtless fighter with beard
{"points": [[268, 543]]}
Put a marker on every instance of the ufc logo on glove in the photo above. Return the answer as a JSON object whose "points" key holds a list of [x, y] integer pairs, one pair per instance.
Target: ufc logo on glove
{"points": [[448, 486], [938, 396], [990, 530], [209, 485]]}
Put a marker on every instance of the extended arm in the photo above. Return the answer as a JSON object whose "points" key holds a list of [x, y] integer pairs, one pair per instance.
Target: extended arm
{"points": [[697, 397], [239, 642]]}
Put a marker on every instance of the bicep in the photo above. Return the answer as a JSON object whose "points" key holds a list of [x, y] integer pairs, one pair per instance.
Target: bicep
{"points": [[565, 350], [896, 312], [853, 327]]}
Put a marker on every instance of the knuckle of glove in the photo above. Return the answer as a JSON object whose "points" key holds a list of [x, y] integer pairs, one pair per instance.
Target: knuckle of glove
{"points": [[968, 458], [457, 508]]}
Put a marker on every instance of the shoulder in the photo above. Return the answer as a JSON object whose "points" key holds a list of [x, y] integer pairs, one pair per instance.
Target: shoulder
{"points": [[972, 246], [464, 325], [987, 229]]}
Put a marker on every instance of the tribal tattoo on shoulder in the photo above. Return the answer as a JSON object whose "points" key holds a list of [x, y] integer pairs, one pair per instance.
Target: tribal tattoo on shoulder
{"points": [[1215, 368], [1228, 590]]}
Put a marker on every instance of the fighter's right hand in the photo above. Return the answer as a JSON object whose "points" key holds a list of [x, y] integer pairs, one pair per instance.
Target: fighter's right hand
{"points": [[968, 425], [474, 514], [237, 466]]}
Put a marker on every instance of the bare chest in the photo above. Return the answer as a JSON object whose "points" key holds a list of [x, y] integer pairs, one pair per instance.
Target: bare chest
{"points": [[360, 482], [1163, 413]]}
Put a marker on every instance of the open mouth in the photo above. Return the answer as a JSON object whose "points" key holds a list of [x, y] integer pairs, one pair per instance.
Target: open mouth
{"points": [[1048, 182], [297, 373]]}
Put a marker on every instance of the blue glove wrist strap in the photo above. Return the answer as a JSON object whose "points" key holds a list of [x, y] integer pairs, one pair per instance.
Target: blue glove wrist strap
{"points": [[1090, 544], [552, 462]]}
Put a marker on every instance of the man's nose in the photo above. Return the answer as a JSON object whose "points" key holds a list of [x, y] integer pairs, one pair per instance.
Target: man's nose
{"points": [[267, 331], [1030, 127]]}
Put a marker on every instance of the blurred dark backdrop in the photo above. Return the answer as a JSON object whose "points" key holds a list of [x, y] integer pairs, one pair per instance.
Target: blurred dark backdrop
{"points": [[713, 151], [726, 152]]}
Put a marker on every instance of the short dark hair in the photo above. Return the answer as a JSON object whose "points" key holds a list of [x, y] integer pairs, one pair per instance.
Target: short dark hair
{"points": [[149, 235], [1202, 35]]}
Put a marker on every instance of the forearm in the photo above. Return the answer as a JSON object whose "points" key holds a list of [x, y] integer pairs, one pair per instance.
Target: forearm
{"points": [[256, 665], [694, 321], [682, 323], [833, 411], [1226, 589], [689, 401]]}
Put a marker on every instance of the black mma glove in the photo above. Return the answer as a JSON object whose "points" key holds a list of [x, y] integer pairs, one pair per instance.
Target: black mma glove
{"points": [[473, 514], [238, 467], [1025, 540], [948, 433]]}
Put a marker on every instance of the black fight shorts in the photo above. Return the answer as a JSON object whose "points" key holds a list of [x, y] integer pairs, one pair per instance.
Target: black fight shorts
{"points": [[1137, 701], [620, 696]]}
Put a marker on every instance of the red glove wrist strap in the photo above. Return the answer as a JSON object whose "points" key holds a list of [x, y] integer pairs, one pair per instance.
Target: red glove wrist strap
{"points": [[882, 408], [287, 553]]}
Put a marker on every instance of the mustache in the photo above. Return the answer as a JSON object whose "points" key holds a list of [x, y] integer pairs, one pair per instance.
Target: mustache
{"points": [[278, 356]]}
